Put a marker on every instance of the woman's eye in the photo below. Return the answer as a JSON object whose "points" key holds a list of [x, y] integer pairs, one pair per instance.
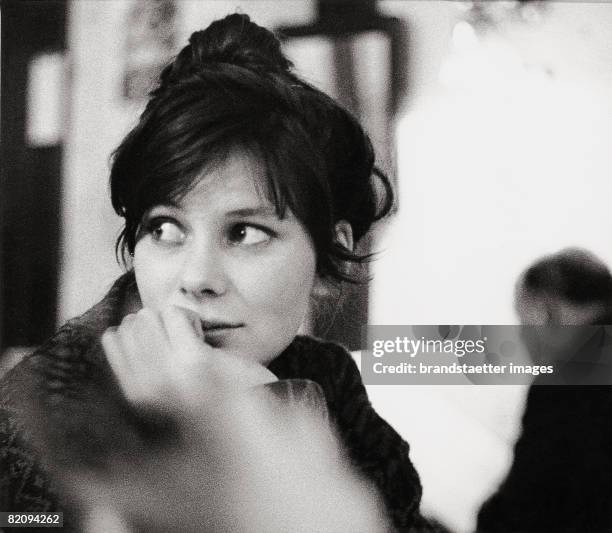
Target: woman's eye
{"points": [[166, 231], [248, 235]]}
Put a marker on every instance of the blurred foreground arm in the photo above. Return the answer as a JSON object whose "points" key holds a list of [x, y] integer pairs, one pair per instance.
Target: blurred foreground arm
{"points": [[247, 452], [255, 463]]}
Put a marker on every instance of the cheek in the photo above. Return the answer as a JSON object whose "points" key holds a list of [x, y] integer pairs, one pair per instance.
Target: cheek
{"points": [[283, 294], [154, 277], [292, 296]]}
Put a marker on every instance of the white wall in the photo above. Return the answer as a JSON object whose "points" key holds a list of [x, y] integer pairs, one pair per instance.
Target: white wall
{"points": [[98, 119], [499, 162]]}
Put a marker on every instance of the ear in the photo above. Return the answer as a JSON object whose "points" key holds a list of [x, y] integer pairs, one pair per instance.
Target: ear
{"points": [[344, 234]]}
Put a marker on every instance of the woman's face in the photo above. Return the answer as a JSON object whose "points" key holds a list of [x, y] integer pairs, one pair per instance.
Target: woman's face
{"points": [[224, 253]]}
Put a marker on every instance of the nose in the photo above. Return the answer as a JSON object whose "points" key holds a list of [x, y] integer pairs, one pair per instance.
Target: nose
{"points": [[202, 273]]}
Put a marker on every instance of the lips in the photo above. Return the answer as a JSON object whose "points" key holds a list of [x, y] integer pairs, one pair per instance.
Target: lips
{"points": [[213, 325], [216, 333]]}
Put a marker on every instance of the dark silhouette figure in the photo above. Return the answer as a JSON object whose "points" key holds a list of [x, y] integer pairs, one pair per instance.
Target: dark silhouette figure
{"points": [[561, 477]]}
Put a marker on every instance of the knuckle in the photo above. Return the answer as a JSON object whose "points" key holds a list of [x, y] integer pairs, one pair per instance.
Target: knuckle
{"points": [[127, 319], [109, 334], [127, 323]]}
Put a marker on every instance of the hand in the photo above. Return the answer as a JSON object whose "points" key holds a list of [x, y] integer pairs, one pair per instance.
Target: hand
{"points": [[271, 466], [161, 359], [249, 458]]}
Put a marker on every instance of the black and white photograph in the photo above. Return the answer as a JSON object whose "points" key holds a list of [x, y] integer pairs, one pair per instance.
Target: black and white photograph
{"points": [[306, 266]]}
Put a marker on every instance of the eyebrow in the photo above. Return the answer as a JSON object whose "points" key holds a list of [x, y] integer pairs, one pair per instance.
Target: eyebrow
{"points": [[254, 211], [261, 211]]}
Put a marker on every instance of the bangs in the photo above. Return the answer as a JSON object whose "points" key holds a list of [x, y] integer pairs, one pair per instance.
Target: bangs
{"points": [[317, 161], [291, 166], [166, 163]]}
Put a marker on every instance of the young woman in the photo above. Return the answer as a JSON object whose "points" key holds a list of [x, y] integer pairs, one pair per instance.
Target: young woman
{"points": [[243, 190]]}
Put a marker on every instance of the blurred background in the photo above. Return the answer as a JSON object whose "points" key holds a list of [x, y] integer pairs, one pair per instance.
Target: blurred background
{"points": [[494, 120]]}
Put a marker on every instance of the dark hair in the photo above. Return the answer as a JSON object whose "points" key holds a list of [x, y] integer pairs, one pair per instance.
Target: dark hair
{"points": [[232, 87], [574, 275]]}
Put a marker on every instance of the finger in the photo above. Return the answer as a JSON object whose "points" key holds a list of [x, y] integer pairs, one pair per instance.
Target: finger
{"points": [[128, 377], [139, 378], [148, 370], [150, 343], [116, 358], [130, 346], [184, 330]]}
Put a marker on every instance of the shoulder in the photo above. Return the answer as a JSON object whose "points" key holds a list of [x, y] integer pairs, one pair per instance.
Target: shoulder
{"points": [[72, 351], [327, 363], [372, 445], [63, 381], [309, 355]]}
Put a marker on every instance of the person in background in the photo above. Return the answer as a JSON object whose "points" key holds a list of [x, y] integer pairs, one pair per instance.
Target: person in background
{"points": [[185, 397], [570, 287], [561, 477]]}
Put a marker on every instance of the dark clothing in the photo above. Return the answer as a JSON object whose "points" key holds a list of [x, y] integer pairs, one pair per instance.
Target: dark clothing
{"points": [[63, 399], [561, 477]]}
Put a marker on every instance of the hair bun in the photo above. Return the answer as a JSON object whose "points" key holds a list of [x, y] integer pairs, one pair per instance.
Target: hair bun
{"points": [[236, 40]]}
